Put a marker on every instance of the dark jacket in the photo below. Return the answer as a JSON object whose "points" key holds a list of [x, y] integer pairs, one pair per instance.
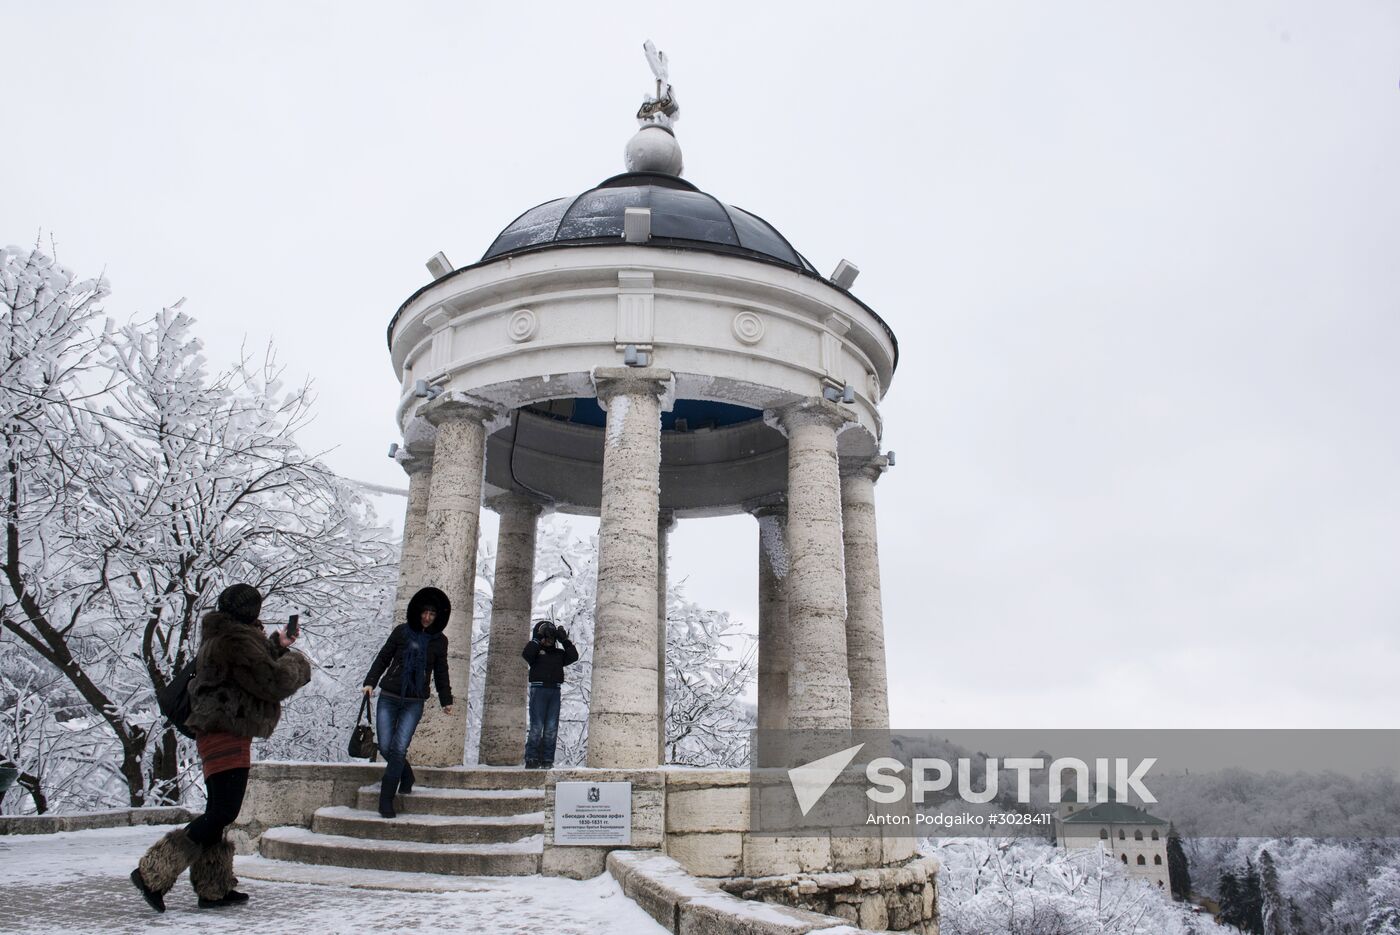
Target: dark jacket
{"points": [[547, 662], [387, 670], [241, 677]]}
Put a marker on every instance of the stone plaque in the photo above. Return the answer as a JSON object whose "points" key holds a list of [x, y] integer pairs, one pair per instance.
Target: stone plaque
{"points": [[593, 813]]}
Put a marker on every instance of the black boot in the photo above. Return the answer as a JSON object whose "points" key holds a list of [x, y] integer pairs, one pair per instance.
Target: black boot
{"points": [[153, 898], [406, 780], [231, 898], [387, 787], [162, 865]]}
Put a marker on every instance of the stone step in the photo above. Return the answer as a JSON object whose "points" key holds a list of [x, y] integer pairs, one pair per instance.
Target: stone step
{"points": [[435, 829], [426, 800], [258, 867], [479, 777], [517, 858]]}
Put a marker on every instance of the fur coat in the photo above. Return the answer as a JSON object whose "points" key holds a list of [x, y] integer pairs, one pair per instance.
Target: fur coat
{"points": [[241, 677]]}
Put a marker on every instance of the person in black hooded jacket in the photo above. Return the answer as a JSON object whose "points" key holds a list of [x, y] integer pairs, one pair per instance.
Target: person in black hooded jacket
{"points": [[414, 654], [547, 653]]}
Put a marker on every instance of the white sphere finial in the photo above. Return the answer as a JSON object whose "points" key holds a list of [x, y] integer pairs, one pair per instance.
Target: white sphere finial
{"points": [[654, 148]]}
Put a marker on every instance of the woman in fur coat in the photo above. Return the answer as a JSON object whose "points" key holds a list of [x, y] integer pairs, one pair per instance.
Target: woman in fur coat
{"points": [[241, 678], [414, 655]]}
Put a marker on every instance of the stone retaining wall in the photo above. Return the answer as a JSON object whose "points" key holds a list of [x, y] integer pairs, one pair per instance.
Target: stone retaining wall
{"points": [[84, 821], [903, 898], [687, 905]]}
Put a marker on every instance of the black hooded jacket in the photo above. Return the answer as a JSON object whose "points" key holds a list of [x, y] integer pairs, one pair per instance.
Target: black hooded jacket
{"points": [[387, 670], [547, 662]]}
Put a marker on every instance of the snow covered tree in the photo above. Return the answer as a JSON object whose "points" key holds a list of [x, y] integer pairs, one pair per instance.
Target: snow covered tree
{"points": [[1251, 899], [137, 486], [1273, 915], [1231, 901], [39, 727], [1242, 900], [1027, 887], [1383, 892], [1178, 867], [52, 446], [709, 664]]}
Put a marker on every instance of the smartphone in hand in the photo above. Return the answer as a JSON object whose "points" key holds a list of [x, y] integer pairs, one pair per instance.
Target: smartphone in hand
{"points": [[293, 626]]}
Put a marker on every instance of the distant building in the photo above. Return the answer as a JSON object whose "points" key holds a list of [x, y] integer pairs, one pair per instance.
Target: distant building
{"points": [[1130, 834]]}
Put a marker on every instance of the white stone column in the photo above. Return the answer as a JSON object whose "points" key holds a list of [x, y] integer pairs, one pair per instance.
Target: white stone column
{"points": [[505, 694], [819, 689], [623, 732], [665, 522], [774, 647], [453, 520], [865, 624], [414, 553]]}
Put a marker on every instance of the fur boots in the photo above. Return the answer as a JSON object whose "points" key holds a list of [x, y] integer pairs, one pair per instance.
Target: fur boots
{"points": [[162, 865], [211, 871], [211, 875]]}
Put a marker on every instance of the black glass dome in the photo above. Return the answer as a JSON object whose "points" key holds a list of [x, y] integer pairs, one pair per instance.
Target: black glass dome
{"points": [[681, 215]]}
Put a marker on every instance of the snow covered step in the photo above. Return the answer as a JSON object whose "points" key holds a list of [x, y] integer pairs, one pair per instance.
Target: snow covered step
{"points": [[479, 777], [308, 847], [425, 800], [257, 867], [435, 829]]}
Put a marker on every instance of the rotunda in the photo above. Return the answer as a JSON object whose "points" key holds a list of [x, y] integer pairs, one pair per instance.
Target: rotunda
{"points": [[644, 352]]}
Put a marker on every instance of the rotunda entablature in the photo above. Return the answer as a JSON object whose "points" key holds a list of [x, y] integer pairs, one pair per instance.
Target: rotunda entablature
{"points": [[742, 338], [531, 327]]}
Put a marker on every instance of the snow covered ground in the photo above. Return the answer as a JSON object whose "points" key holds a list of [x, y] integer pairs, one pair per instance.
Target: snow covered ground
{"points": [[76, 882]]}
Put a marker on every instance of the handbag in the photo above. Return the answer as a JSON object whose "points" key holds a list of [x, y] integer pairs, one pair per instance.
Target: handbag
{"points": [[362, 745], [174, 699]]}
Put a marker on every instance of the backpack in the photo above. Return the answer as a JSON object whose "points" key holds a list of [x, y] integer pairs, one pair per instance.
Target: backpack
{"points": [[174, 699]]}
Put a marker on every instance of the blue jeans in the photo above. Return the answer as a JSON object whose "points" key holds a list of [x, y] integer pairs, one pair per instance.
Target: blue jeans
{"points": [[544, 724], [398, 719]]}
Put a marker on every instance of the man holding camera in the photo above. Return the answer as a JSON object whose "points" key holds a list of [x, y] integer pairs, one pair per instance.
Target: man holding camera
{"points": [[548, 653]]}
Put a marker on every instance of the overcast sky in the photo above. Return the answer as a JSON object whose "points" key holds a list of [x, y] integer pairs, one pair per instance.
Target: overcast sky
{"points": [[1143, 262]]}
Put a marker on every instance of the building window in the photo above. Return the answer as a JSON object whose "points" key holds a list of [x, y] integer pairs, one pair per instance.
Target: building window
{"points": [[1155, 835], [1121, 835], [1137, 835], [1125, 858], [1142, 861], [1103, 834]]}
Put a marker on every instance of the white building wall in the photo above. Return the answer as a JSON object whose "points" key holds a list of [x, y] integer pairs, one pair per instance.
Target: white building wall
{"points": [[1085, 837]]}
